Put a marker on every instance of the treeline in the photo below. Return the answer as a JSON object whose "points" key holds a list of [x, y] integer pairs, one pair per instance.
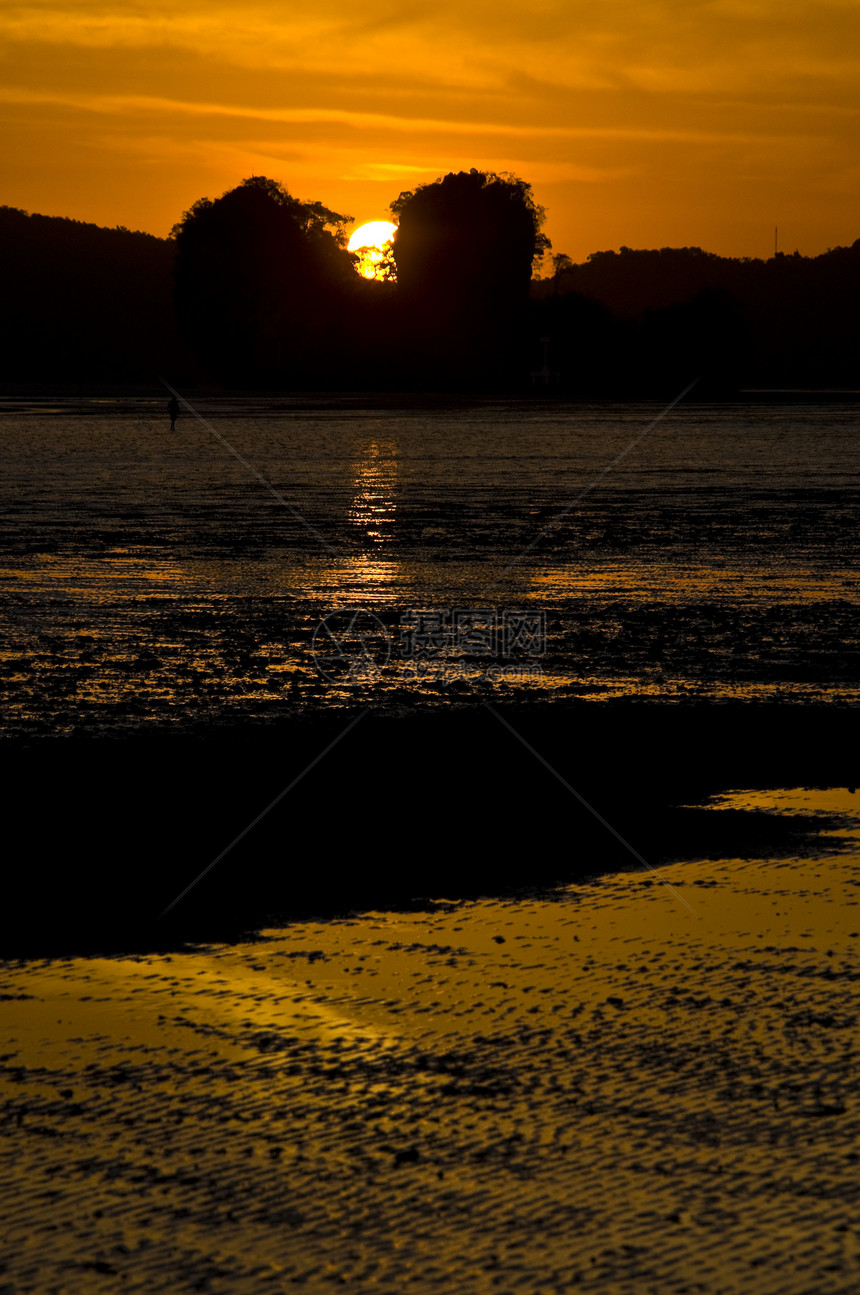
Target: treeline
{"points": [[640, 318], [256, 289]]}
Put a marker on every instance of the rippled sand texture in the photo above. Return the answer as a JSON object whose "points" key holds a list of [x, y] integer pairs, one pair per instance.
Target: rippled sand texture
{"points": [[151, 578], [620, 1091]]}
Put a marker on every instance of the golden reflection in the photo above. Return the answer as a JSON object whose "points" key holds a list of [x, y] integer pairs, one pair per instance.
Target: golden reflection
{"points": [[126, 572], [678, 582], [374, 505], [368, 575]]}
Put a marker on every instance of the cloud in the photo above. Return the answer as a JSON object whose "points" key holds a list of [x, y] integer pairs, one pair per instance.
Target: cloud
{"points": [[136, 105], [677, 44]]}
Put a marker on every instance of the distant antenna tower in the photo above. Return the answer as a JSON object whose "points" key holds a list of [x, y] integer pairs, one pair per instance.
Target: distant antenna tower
{"points": [[775, 239]]}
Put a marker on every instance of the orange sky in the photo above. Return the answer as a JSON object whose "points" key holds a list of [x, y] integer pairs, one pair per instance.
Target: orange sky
{"points": [[649, 124]]}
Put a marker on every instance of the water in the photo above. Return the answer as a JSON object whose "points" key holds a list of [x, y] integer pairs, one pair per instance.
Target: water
{"points": [[150, 579]]}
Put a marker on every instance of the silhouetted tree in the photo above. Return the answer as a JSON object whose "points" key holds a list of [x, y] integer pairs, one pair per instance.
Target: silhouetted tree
{"points": [[258, 277], [464, 250], [561, 263]]}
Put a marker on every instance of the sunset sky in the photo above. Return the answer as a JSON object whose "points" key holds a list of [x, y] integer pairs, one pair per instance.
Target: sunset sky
{"points": [[649, 124]]}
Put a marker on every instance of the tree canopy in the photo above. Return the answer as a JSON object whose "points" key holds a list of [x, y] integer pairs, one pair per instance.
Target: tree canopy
{"points": [[478, 215], [312, 217], [257, 272], [464, 250]]}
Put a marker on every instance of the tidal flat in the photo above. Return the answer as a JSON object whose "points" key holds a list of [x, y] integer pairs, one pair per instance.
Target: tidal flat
{"points": [[639, 1083], [503, 939]]}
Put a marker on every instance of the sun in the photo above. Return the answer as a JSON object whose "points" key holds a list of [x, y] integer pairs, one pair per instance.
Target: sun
{"points": [[372, 242]]}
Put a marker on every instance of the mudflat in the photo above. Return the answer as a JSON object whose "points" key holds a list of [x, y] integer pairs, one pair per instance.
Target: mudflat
{"points": [[640, 1082]]}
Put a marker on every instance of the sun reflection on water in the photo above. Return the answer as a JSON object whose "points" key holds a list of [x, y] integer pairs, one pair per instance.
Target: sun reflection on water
{"points": [[374, 503], [365, 573]]}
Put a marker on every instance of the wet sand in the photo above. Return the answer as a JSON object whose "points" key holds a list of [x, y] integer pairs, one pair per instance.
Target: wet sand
{"points": [[618, 1088]]}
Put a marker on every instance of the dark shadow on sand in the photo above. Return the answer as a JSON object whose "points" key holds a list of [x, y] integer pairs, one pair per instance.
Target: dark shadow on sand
{"points": [[402, 810]]}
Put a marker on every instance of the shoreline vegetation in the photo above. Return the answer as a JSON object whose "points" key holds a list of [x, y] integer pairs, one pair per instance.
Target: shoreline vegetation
{"points": [[91, 308], [117, 399]]}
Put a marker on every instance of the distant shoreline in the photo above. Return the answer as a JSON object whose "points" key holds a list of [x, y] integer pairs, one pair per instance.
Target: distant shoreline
{"points": [[22, 394]]}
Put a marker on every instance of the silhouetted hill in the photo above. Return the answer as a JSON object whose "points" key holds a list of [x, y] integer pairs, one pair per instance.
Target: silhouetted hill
{"points": [[83, 303], [786, 322]]}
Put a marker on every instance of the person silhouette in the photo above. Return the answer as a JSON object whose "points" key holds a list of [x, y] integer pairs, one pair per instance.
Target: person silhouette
{"points": [[173, 410]]}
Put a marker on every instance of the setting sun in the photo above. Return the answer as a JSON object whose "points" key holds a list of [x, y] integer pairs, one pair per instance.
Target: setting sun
{"points": [[372, 242]]}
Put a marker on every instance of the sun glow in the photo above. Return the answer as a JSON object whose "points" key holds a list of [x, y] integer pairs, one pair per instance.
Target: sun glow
{"points": [[372, 243]]}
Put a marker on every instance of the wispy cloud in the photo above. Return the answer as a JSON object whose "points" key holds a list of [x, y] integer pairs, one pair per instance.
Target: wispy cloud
{"points": [[114, 105]]}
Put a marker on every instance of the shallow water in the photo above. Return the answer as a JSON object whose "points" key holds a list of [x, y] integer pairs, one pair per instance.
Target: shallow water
{"points": [[152, 579]]}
